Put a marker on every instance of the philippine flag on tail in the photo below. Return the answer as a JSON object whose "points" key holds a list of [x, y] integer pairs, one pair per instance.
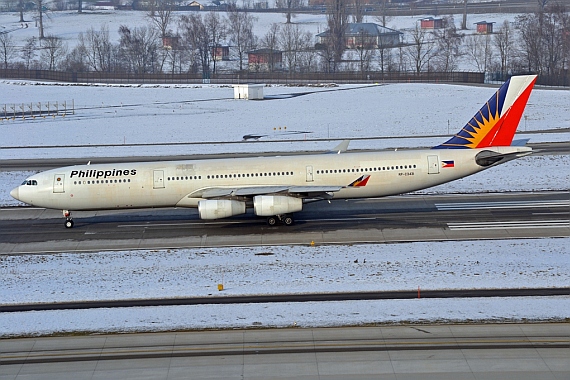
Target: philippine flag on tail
{"points": [[448, 164]]}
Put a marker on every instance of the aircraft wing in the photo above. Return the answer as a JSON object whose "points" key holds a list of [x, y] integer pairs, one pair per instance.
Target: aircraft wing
{"points": [[250, 191]]}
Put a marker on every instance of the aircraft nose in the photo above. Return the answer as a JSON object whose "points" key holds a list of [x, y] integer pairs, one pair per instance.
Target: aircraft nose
{"points": [[15, 193]]}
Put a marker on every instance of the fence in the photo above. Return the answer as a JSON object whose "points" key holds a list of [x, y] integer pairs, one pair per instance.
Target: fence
{"points": [[245, 77], [272, 77], [36, 109]]}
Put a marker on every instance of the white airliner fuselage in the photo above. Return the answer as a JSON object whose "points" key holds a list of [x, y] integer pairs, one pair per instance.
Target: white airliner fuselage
{"points": [[186, 183], [276, 187]]}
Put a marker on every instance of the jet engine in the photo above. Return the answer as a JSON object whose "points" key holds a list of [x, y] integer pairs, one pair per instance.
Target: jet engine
{"points": [[220, 208], [270, 205]]}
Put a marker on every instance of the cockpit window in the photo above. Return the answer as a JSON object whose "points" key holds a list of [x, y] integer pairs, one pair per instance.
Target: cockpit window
{"points": [[30, 182]]}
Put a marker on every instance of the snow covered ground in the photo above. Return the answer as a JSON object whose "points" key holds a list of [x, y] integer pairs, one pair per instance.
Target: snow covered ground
{"points": [[284, 269]]}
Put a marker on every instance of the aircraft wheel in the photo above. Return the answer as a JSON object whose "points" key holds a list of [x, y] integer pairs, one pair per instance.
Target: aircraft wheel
{"points": [[288, 221], [69, 223], [272, 220]]}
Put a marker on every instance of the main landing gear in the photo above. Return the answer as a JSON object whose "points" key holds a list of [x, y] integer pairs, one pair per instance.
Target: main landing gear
{"points": [[283, 219], [68, 219]]}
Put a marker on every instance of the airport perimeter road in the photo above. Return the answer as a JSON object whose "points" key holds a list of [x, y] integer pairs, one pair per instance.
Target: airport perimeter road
{"points": [[394, 219], [490, 351]]}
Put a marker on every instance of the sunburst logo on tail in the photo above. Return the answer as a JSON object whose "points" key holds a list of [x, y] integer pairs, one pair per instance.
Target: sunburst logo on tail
{"points": [[360, 182], [496, 122], [485, 122]]}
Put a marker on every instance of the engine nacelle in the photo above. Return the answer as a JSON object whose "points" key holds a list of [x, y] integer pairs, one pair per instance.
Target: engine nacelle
{"points": [[270, 205], [220, 208]]}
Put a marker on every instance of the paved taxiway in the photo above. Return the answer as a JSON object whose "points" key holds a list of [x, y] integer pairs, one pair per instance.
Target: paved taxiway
{"points": [[489, 351], [386, 220]]}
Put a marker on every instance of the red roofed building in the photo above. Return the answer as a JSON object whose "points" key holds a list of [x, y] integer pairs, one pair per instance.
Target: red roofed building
{"points": [[431, 23], [484, 27], [265, 60]]}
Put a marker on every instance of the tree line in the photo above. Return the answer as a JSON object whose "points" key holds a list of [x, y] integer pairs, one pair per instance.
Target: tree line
{"points": [[538, 42]]}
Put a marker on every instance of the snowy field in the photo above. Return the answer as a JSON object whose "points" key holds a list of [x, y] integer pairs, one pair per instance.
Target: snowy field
{"points": [[68, 24], [285, 269], [163, 114]]}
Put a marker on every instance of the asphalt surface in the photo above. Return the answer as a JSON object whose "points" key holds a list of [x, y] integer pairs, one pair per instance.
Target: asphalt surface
{"points": [[466, 351], [313, 297], [386, 220]]}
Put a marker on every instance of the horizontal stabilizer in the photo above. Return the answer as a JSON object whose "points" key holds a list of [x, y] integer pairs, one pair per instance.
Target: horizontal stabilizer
{"points": [[340, 148], [520, 142]]}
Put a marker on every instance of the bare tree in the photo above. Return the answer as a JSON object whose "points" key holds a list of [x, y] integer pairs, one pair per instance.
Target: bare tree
{"points": [[307, 57], [479, 50], [270, 41], [365, 49], [40, 5], [7, 49], [337, 21], [290, 42], [544, 39], [196, 38], [383, 18], [175, 58], [240, 32], [384, 55], [75, 60], [160, 13], [29, 51], [530, 35], [53, 51], [541, 5], [421, 48], [216, 30], [358, 11], [503, 42], [464, 21], [21, 10], [97, 48], [139, 49], [289, 6], [556, 31], [448, 44]]}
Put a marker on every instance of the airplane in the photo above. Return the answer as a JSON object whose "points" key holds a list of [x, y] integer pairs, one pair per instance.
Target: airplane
{"points": [[277, 187]]}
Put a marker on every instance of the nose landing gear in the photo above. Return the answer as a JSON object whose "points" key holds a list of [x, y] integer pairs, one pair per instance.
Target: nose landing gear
{"points": [[68, 219]]}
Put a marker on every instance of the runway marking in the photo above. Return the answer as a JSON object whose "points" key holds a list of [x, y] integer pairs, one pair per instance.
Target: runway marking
{"points": [[565, 223], [500, 205]]}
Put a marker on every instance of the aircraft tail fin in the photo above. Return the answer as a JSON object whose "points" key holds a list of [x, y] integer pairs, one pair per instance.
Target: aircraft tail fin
{"points": [[496, 122]]}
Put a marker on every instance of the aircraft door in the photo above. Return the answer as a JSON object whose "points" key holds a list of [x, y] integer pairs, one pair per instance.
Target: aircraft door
{"points": [[310, 177], [433, 164], [58, 181], [158, 179]]}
